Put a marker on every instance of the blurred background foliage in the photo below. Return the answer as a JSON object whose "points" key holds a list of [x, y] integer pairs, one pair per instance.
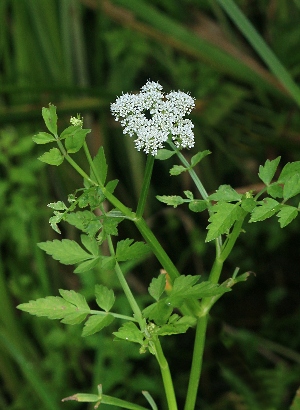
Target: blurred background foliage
{"points": [[79, 55]]}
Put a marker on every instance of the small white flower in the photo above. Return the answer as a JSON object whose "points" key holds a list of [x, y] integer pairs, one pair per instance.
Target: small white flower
{"points": [[76, 121], [152, 116]]}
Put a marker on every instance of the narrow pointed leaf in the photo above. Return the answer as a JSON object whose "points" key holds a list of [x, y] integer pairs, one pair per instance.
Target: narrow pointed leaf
{"points": [[267, 172], [43, 138], [50, 118], [286, 215], [157, 286]]}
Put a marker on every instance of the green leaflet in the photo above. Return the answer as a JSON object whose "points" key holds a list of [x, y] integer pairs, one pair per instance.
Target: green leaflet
{"points": [[224, 216]]}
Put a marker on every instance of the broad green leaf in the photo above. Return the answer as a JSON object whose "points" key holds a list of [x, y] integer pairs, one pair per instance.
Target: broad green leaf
{"points": [[69, 131], [58, 206], [266, 209], [286, 215], [72, 307], [198, 157], [157, 286], [288, 171], [88, 265], [177, 169], [74, 142], [100, 165], [105, 297], [96, 323], [90, 244], [43, 138], [224, 216], [130, 332], [127, 250], [159, 312], [52, 157], [267, 172], [172, 200], [50, 118], [54, 307], [189, 195], [164, 154], [291, 187], [198, 205], [225, 193], [275, 190], [66, 251]]}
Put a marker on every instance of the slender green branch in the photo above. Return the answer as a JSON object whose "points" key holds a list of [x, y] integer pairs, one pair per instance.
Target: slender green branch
{"points": [[191, 171], [117, 315], [199, 185], [157, 249], [196, 363], [90, 160], [232, 238], [145, 186], [166, 375], [131, 300]]}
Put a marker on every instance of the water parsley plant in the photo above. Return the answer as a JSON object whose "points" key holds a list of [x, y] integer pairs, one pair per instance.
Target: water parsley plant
{"points": [[179, 302]]}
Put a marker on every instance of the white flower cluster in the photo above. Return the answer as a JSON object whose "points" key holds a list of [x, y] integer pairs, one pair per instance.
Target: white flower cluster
{"points": [[153, 116], [76, 121]]}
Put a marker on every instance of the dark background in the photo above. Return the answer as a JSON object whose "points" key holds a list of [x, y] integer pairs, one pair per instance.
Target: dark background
{"points": [[80, 55]]}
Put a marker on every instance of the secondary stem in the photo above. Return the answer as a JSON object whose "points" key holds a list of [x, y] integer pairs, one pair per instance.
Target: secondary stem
{"points": [[166, 375]]}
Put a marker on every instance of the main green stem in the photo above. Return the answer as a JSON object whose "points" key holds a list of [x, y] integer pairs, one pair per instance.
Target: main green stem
{"points": [[196, 364]]}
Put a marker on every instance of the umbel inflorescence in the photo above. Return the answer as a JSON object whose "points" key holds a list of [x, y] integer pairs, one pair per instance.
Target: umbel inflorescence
{"points": [[153, 117]]}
